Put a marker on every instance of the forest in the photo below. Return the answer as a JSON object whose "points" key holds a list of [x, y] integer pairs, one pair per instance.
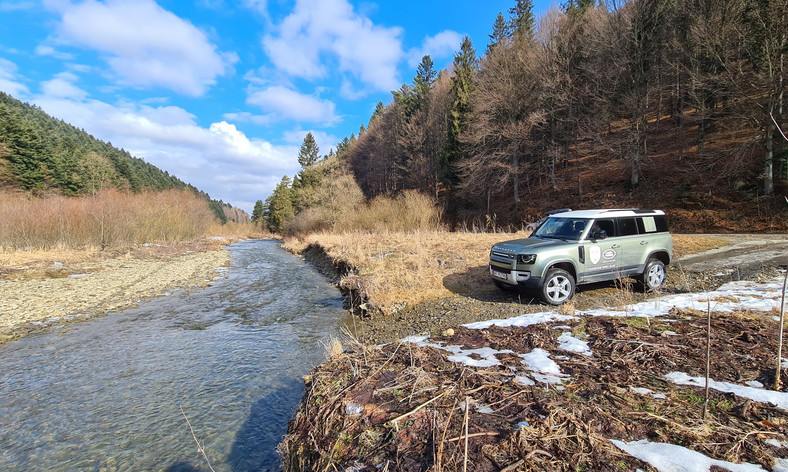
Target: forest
{"points": [[676, 104], [41, 155]]}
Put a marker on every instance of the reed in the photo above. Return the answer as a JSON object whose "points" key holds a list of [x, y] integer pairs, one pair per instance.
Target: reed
{"points": [[110, 218]]}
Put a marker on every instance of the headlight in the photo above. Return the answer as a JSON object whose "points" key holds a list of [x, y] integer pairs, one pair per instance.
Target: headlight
{"points": [[526, 258]]}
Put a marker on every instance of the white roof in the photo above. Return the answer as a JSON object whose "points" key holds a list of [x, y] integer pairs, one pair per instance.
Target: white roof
{"points": [[611, 213]]}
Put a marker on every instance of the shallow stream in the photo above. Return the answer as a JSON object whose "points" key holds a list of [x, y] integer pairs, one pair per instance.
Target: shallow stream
{"points": [[106, 394]]}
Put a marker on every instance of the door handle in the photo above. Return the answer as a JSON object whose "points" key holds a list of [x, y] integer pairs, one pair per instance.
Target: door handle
{"points": [[643, 243], [615, 246]]}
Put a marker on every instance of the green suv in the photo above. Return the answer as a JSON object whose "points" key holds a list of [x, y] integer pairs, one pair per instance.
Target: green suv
{"points": [[568, 248]]}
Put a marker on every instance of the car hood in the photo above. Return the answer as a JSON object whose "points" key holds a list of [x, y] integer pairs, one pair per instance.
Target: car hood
{"points": [[518, 245]]}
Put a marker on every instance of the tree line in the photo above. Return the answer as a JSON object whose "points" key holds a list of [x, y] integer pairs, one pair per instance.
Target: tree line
{"points": [[40, 154], [609, 72]]}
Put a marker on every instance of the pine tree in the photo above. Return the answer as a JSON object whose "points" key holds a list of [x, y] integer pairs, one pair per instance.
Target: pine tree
{"points": [[502, 31], [463, 86], [258, 212], [309, 153], [523, 21]]}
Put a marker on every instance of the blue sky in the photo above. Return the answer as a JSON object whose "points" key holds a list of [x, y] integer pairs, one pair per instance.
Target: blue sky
{"points": [[221, 93]]}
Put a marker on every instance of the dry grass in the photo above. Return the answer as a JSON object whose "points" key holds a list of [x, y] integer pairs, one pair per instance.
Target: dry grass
{"points": [[398, 269], [108, 219]]}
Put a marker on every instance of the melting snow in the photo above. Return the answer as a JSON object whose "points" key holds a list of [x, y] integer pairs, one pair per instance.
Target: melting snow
{"points": [[779, 399], [521, 321], [672, 458], [648, 391], [567, 342]]}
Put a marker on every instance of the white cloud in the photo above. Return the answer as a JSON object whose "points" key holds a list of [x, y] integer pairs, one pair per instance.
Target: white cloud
{"points": [[144, 44], [284, 103], [443, 44], [246, 117], [44, 50], [62, 86], [10, 81], [330, 28], [220, 159]]}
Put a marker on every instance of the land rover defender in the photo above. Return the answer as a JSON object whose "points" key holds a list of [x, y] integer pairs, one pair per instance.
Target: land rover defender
{"points": [[569, 248]]}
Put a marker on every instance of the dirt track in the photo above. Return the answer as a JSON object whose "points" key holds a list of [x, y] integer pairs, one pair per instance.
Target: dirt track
{"points": [[747, 252]]}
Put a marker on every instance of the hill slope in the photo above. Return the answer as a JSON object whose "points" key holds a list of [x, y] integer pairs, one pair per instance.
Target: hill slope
{"points": [[41, 154]]}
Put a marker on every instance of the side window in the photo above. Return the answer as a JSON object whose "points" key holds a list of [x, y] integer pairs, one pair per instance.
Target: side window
{"points": [[627, 227], [607, 225], [662, 223], [647, 224]]}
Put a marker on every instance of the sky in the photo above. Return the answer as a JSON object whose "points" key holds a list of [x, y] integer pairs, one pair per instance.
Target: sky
{"points": [[221, 93]]}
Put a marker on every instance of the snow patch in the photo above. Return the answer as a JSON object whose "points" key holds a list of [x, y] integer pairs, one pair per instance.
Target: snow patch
{"points": [[778, 399], [672, 458], [567, 342], [522, 321]]}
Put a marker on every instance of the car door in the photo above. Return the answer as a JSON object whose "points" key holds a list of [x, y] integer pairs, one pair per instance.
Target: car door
{"points": [[602, 256], [633, 246]]}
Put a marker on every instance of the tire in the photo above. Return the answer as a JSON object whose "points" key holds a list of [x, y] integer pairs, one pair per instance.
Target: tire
{"points": [[558, 287], [653, 275]]}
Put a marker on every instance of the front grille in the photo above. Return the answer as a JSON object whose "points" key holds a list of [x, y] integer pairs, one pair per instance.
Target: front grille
{"points": [[503, 254]]}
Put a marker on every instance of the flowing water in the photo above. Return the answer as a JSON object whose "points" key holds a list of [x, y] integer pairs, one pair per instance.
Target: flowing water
{"points": [[106, 394]]}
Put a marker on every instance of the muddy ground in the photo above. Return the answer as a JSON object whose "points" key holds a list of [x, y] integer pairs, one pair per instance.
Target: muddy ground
{"points": [[402, 406]]}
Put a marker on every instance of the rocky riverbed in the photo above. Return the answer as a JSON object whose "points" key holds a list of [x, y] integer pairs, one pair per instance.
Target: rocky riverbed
{"points": [[37, 291]]}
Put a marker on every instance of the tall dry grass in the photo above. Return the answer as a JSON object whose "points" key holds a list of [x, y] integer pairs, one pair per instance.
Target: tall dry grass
{"points": [[405, 268], [342, 209], [110, 218]]}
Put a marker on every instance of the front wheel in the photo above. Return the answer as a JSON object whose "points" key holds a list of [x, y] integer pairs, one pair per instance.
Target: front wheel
{"points": [[653, 276], [558, 287]]}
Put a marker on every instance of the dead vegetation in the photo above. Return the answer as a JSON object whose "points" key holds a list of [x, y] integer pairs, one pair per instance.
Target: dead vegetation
{"points": [[409, 407], [387, 271]]}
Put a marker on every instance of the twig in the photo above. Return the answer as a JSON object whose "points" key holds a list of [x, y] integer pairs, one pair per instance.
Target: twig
{"points": [[474, 435], [467, 409], [708, 358], [200, 449], [405, 415], [780, 342]]}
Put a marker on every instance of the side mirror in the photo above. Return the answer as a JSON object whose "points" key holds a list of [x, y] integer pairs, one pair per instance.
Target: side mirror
{"points": [[599, 234]]}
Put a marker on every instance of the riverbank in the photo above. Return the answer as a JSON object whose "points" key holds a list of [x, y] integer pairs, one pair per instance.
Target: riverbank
{"points": [[612, 381], [40, 288]]}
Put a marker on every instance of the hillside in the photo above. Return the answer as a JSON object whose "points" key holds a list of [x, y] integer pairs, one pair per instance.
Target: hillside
{"points": [[716, 190], [40, 154]]}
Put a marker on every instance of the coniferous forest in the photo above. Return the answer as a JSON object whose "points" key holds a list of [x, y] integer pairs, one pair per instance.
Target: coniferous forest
{"points": [[669, 104], [43, 155]]}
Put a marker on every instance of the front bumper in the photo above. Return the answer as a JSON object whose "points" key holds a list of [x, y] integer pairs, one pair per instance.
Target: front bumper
{"points": [[522, 278]]}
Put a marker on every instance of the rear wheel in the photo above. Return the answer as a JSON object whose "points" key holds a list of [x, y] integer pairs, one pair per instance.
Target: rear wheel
{"points": [[653, 276], [558, 287]]}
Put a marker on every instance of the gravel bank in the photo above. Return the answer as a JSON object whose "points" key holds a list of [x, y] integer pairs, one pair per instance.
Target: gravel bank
{"points": [[71, 292]]}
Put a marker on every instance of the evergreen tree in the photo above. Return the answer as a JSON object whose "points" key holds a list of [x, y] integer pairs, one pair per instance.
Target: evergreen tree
{"points": [[258, 212], [280, 207], [463, 86], [522, 19], [309, 153], [502, 31], [425, 76]]}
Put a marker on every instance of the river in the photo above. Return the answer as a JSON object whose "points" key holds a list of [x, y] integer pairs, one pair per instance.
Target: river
{"points": [[106, 394]]}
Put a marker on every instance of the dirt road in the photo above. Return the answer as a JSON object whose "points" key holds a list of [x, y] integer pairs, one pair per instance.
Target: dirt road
{"points": [[748, 254]]}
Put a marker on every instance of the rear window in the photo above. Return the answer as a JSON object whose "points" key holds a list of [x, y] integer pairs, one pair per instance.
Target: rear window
{"points": [[652, 224]]}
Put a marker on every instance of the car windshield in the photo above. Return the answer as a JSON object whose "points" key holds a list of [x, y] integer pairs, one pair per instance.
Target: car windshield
{"points": [[570, 229]]}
